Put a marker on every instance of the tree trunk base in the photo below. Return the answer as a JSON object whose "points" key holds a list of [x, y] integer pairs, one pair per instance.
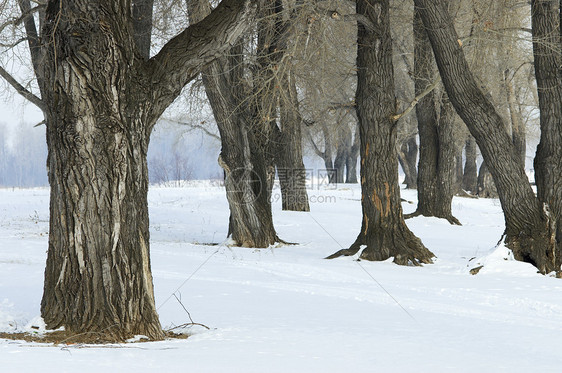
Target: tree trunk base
{"points": [[400, 243], [450, 218], [540, 251]]}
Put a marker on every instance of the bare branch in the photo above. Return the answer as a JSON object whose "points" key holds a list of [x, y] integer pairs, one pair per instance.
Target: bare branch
{"points": [[417, 99], [318, 152], [21, 89], [16, 21], [196, 126], [183, 57], [14, 44]]}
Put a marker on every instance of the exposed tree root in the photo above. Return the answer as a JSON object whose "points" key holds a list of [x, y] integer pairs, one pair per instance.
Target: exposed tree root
{"points": [[63, 337], [450, 218], [343, 252], [412, 215]]}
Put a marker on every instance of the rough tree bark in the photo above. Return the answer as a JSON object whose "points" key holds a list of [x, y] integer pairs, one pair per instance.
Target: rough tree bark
{"points": [[518, 134], [547, 51], [242, 156], [102, 101], [384, 233], [436, 167], [528, 233], [447, 184], [289, 158]]}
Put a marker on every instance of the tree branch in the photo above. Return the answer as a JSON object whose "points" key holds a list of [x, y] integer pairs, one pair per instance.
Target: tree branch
{"points": [[196, 126], [184, 56], [32, 40], [314, 146], [417, 99], [21, 89]]}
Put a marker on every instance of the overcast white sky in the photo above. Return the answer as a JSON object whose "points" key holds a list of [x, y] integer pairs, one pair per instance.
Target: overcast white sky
{"points": [[15, 110]]}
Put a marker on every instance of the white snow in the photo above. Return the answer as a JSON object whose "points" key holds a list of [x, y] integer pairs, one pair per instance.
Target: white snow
{"points": [[285, 309]]}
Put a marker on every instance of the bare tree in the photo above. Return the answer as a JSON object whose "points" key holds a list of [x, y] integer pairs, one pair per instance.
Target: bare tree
{"points": [[437, 132], [383, 231], [530, 225]]}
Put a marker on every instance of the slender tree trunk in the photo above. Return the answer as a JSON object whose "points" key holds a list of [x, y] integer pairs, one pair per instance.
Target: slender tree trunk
{"points": [[528, 228], [486, 186], [446, 163], [470, 175], [408, 157], [290, 166], [458, 168], [342, 151], [383, 231], [436, 169], [517, 126], [327, 155], [242, 154], [351, 161]]}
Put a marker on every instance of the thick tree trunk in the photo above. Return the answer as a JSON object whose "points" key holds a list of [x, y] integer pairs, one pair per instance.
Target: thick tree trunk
{"points": [[547, 46], [97, 277], [528, 228], [436, 169], [102, 101], [246, 174], [384, 233], [290, 166], [470, 175]]}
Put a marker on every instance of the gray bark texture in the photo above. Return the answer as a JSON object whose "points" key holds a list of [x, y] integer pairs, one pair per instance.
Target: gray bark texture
{"points": [[547, 51], [436, 169], [383, 230], [289, 157], [529, 232], [245, 143], [103, 99]]}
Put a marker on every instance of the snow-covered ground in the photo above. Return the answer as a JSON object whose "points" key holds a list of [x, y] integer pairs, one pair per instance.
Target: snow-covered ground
{"points": [[285, 309]]}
